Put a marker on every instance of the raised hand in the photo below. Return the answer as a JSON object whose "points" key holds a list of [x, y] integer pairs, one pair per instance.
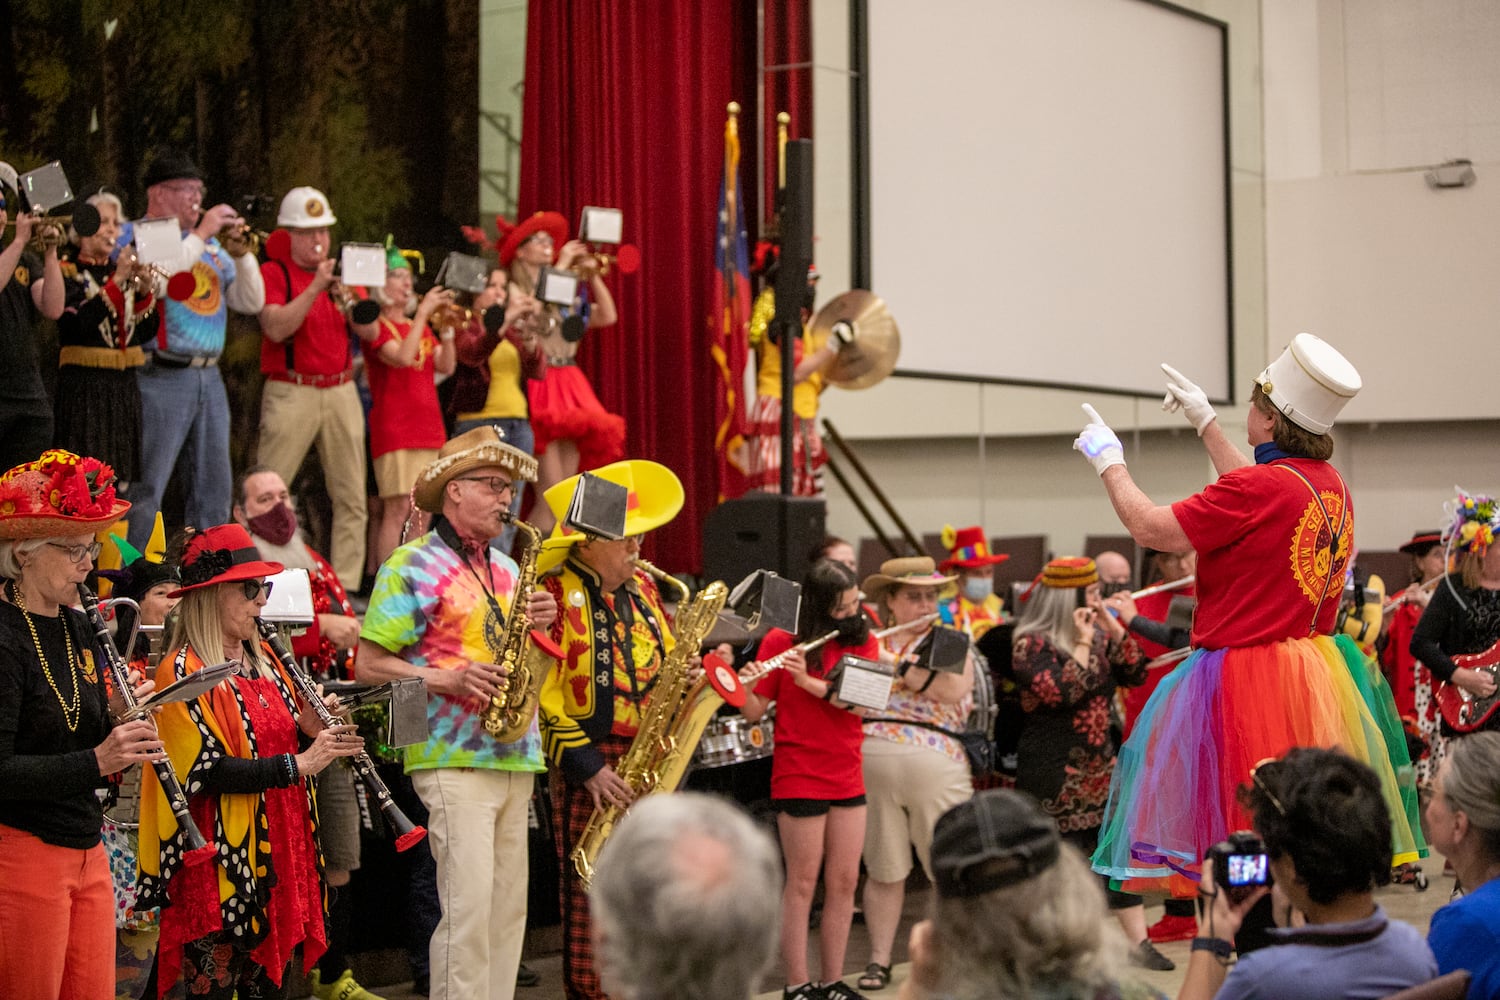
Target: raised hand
{"points": [[1098, 443]]}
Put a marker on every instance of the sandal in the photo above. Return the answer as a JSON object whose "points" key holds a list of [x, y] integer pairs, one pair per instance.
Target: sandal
{"points": [[875, 977]]}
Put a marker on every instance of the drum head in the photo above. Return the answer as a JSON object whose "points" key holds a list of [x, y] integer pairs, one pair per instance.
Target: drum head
{"points": [[724, 681]]}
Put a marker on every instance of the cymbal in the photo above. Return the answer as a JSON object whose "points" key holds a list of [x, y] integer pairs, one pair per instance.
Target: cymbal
{"points": [[877, 342]]}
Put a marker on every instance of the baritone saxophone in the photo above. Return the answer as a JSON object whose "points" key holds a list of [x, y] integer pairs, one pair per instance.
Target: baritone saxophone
{"points": [[520, 650], [672, 722]]}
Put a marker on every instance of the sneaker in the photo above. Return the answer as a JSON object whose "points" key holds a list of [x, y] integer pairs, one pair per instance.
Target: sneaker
{"points": [[807, 991], [838, 990], [1170, 928], [343, 988], [1145, 956]]}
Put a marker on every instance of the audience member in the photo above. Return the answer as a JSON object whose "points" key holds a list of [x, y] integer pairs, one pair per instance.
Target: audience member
{"points": [[184, 409], [436, 602], [30, 285], [309, 397], [1115, 573], [1327, 835], [1071, 656], [1016, 914], [685, 902], [817, 782], [109, 315], [1463, 819]]}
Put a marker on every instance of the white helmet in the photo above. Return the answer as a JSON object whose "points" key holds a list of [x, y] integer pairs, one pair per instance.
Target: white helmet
{"points": [[305, 208]]}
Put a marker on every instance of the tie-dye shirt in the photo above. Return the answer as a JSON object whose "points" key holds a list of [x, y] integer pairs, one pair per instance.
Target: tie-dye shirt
{"points": [[430, 609]]}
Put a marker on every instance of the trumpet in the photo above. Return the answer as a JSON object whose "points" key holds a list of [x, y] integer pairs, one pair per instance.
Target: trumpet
{"points": [[359, 311], [451, 316], [239, 239], [627, 257], [50, 231]]}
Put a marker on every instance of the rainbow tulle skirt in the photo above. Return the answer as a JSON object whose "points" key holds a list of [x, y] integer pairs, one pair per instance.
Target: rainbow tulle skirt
{"points": [[1175, 788]]}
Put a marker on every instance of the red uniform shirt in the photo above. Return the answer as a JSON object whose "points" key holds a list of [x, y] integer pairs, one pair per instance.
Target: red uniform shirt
{"points": [[321, 344], [404, 408], [818, 746], [1268, 564]]}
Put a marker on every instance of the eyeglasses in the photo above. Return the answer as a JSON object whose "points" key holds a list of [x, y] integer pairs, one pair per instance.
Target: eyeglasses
{"points": [[1259, 774], [254, 588], [78, 553], [496, 484], [187, 187]]}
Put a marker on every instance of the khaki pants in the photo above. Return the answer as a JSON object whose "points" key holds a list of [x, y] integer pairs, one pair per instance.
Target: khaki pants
{"points": [[295, 417], [477, 825]]}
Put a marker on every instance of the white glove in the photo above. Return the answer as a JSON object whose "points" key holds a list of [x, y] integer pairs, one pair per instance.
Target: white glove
{"points": [[1183, 395], [844, 333], [1098, 443]]}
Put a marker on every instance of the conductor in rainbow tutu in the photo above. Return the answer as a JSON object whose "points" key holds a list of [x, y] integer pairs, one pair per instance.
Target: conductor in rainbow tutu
{"points": [[1274, 537]]}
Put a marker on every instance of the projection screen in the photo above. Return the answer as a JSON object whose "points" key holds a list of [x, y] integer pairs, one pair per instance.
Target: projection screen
{"points": [[1048, 197]]}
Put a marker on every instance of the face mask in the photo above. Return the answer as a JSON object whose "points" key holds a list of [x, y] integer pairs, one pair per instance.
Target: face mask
{"points": [[276, 525], [854, 630], [1108, 589], [976, 590]]}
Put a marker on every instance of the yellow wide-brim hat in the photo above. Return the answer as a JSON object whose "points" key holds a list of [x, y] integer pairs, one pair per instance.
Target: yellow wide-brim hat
{"points": [[654, 497]]}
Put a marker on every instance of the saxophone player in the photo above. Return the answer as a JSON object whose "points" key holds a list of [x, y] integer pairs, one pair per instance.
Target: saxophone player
{"points": [[613, 634], [439, 606]]}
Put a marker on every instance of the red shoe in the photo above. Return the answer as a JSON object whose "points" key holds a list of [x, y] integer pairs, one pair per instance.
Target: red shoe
{"points": [[1170, 928]]}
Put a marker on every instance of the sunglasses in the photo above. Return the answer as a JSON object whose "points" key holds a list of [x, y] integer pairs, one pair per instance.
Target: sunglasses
{"points": [[254, 588], [78, 553]]}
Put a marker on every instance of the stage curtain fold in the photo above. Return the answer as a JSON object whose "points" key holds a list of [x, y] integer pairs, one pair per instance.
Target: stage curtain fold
{"points": [[624, 107]]}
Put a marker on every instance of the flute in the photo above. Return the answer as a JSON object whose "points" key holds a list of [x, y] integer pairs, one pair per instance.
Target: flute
{"points": [[408, 834], [170, 786]]}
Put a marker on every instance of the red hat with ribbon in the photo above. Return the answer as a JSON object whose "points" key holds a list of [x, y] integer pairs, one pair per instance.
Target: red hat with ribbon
{"points": [[223, 554], [512, 236], [58, 494], [968, 549]]}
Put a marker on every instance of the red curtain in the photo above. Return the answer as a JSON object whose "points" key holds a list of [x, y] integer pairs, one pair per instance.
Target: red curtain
{"points": [[787, 45], [624, 107]]}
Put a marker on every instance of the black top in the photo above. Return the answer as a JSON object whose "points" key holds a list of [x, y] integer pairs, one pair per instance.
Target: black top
{"points": [[47, 773], [22, 375], [1448, 629], [89, 319]]}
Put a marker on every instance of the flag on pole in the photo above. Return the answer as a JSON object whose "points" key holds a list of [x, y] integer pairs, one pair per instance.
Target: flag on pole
{"points": [[730, 320]]}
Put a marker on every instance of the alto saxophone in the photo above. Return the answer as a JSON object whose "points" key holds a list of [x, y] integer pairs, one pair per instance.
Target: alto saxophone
{"points": [[672, 722], [509, 713]]}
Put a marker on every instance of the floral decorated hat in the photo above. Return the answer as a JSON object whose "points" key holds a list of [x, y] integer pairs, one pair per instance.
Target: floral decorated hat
{"points": [[1472, 520], [58, 494]]}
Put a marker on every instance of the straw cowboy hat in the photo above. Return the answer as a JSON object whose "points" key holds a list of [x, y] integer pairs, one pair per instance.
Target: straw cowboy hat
{"points": [[918, 571], [482, 447]]}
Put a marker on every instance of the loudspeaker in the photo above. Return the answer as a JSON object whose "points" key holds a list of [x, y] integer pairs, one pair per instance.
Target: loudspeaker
{"points": [[762, 531]]}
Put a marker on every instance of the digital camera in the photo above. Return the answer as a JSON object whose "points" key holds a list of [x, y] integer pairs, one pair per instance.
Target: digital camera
{"points": [[1241, 864]]}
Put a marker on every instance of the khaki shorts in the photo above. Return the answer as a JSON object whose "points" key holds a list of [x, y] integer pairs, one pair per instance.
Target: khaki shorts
{"points": [[338, 817], [908, 788], [396, 472]]}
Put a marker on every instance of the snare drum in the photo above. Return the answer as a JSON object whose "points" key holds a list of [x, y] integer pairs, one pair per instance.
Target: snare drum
{"points": [[730, 739]]}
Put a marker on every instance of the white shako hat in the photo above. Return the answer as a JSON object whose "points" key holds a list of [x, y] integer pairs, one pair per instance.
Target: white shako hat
{"points": [[1310, 383], [305, 208]]}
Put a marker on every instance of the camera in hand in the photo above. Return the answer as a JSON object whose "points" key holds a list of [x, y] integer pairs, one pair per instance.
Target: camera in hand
{"points": [[1241, 864]]}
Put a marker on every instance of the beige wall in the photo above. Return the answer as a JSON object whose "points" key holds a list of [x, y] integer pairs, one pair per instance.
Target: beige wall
{"points": [[1336, 105]]}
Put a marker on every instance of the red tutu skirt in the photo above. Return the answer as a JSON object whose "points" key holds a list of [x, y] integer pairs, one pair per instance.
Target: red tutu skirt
{"points": [[564, 408], [808, 456]]}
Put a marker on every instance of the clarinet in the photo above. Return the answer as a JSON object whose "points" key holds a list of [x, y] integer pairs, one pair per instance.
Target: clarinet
{"points": [[408, 834], [120, 670]]}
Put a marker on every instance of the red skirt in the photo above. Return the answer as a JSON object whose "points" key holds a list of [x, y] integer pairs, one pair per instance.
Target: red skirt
{"points": [[564, 408]]}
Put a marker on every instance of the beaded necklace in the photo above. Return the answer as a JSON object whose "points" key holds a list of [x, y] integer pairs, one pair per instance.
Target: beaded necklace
{"points": [[71, 713]]}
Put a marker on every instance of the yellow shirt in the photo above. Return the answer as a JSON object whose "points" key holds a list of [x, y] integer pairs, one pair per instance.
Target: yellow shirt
{"points": [[505, 399], [768, 378]]}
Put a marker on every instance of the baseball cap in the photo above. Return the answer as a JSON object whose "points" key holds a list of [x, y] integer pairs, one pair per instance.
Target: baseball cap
{"points": [[997, 838]]}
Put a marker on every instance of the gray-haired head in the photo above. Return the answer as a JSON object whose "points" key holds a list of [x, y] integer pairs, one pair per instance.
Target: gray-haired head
{"points": [[686, 901]]}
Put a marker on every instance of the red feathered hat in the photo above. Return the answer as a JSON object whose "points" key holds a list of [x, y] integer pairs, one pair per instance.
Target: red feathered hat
{"points": [[511, 237]]}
